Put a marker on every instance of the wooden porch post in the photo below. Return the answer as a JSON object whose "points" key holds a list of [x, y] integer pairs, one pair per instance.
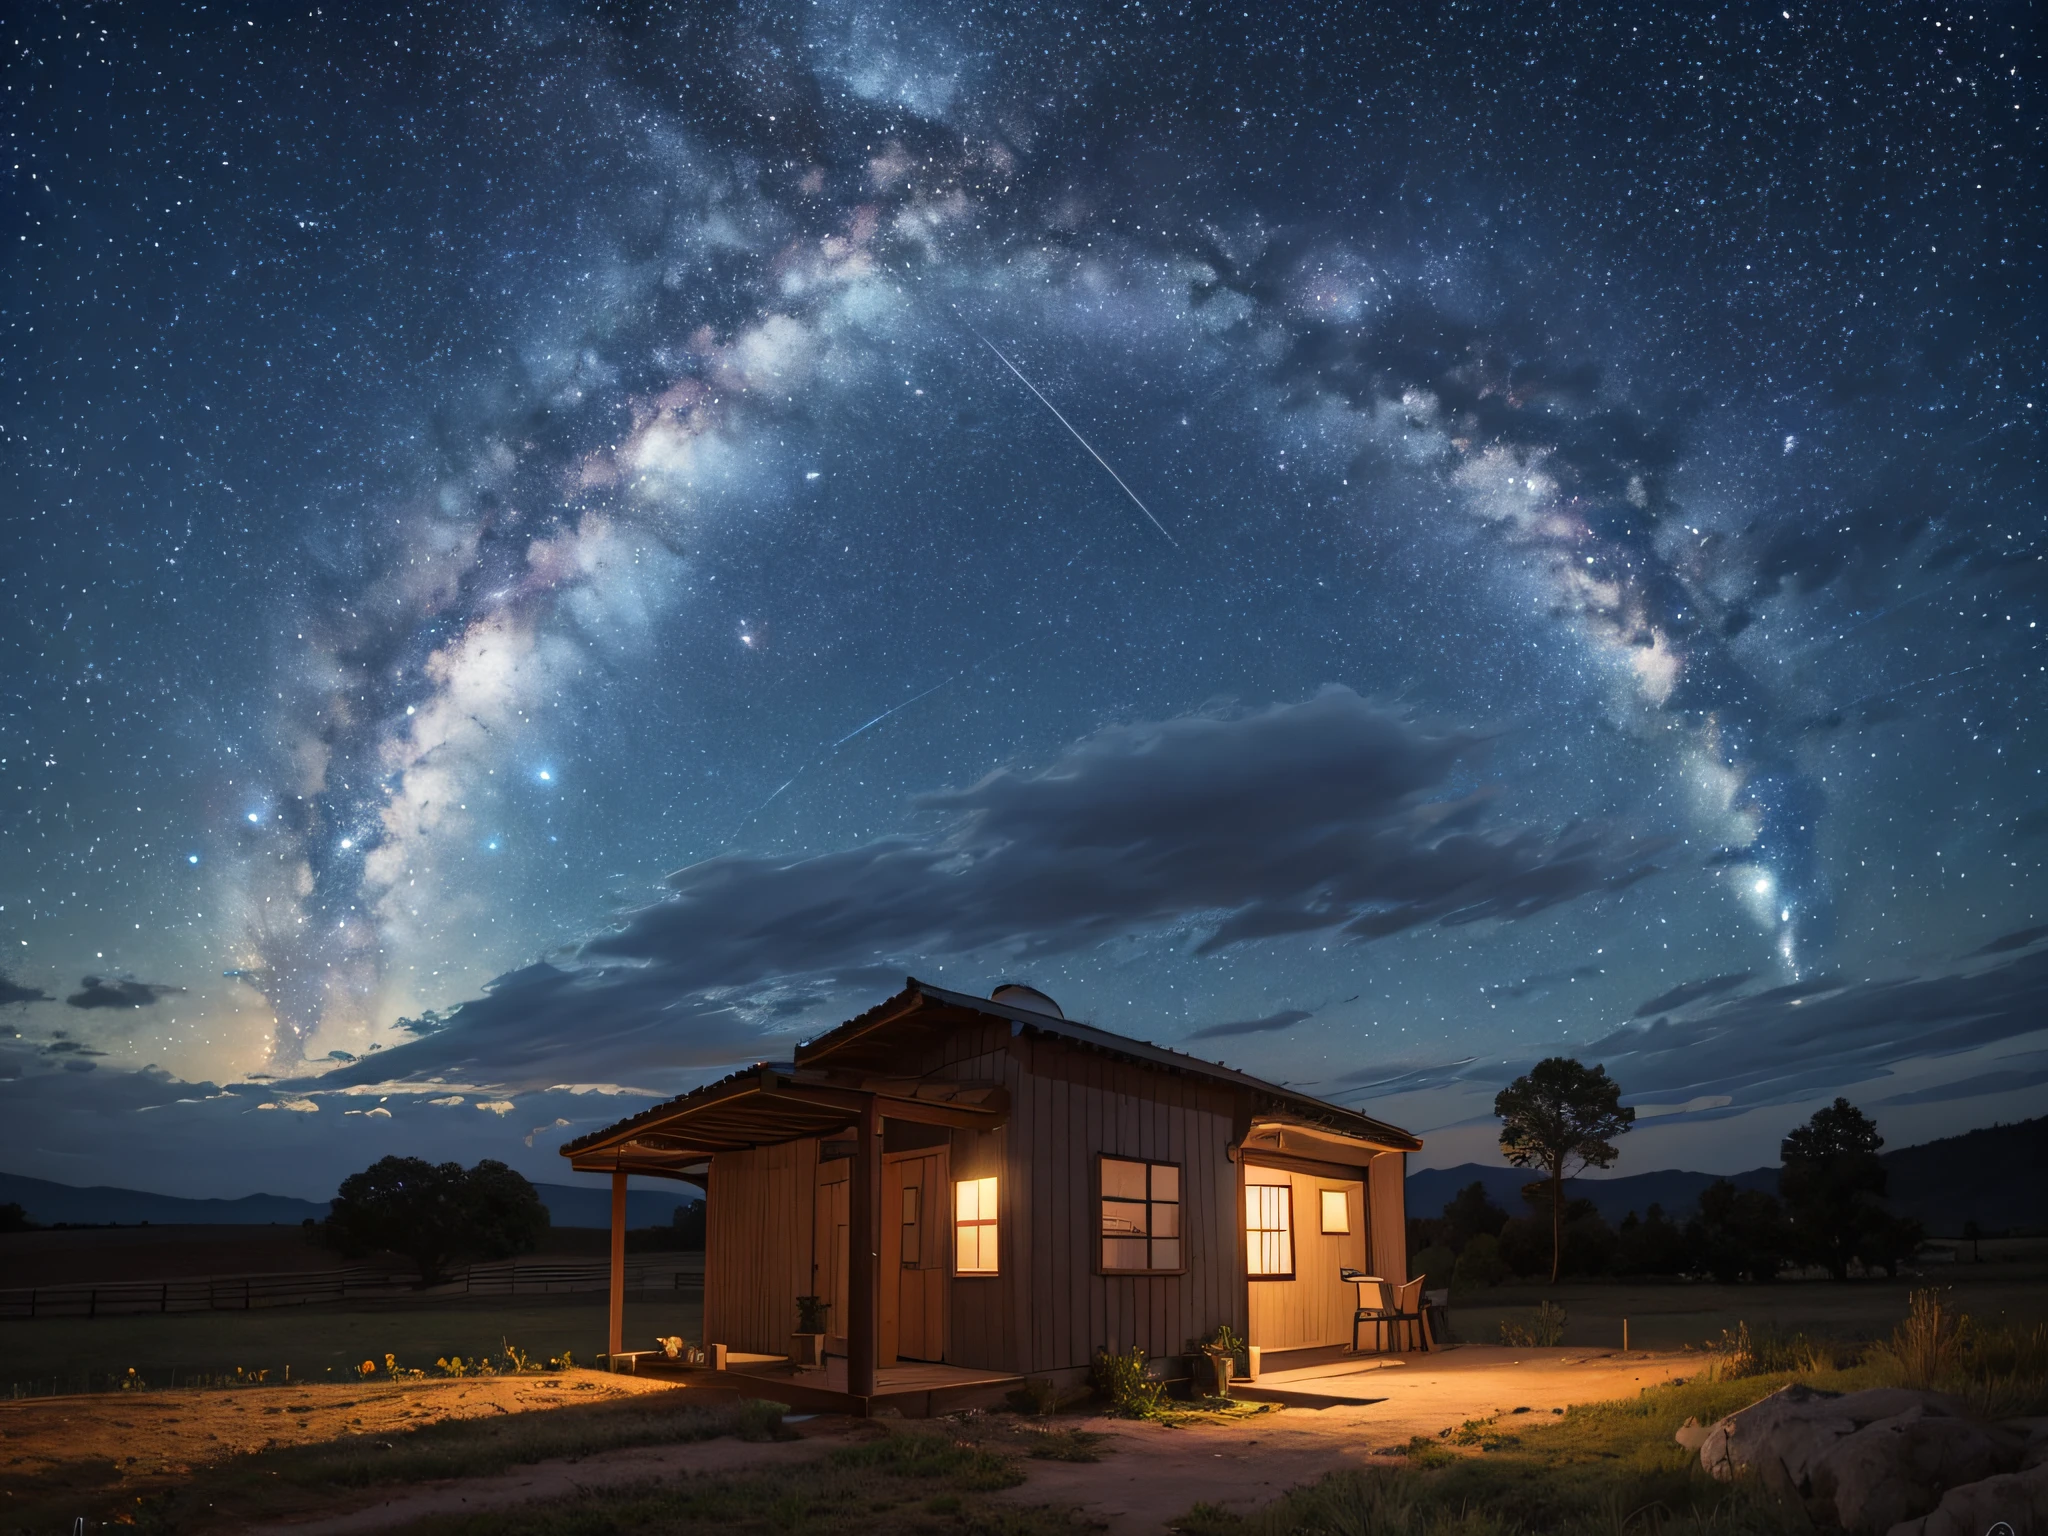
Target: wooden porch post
{"points": [[617, 1332], [863, 1242]]}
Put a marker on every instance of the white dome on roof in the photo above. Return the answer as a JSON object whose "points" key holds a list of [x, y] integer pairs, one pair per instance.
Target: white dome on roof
{"points": [[1017, 995]]}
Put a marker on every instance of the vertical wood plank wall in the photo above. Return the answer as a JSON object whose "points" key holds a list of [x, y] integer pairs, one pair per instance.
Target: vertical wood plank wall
{"points": [[1388, 1175], [1067, 1106], [757, 1245], [1315, 1307]]}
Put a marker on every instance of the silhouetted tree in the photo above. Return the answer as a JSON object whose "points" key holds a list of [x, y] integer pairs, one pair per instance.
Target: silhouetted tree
{"points": [[1560, 1112], [436, 1214], [1469, 1214], [1739, 1234], [1652, 1244], [14, 1219], [1832, 1181]]}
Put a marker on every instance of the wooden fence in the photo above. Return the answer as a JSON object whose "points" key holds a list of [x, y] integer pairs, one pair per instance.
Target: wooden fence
{"points": [[242, 1293]]}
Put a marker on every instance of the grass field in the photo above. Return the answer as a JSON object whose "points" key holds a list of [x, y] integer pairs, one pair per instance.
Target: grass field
{"points": [[314, 1340], [1676, 1315]]}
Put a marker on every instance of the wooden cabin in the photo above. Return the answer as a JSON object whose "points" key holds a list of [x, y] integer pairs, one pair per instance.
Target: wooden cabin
{"points": [[986, 1183]]}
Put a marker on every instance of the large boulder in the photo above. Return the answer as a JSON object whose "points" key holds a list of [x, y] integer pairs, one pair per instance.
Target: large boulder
{"points": [[2018, 1500], [1900, 1467], [1796, 1425]]}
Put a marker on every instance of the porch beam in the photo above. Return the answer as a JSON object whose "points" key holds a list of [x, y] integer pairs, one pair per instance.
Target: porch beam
{"points": [[864, 1257], [617, 1329]]}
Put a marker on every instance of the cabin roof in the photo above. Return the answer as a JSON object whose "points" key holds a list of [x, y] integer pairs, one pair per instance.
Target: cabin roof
{"points": [[775, 1102]]}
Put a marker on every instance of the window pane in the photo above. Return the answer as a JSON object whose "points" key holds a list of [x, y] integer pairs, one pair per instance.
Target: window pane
{"points": [[966, 1207], [1336, 1211], [1166, 1221], [1166, 1254], [1123, 1216], [1165, 1182], [1124, 1253], [1122, 1180]]}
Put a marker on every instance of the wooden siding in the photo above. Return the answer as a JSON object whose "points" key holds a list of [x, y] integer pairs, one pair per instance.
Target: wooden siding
{"points": [[1388, 1201], [1068, 1106], [757, 1245], [1315, 1307]]}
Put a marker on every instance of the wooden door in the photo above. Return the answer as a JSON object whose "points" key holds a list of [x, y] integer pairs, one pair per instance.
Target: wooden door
{"points": [[915, 1273], [829, 1248]]}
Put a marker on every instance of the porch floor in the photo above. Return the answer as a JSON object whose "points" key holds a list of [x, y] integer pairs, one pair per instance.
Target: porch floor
{"points": [[916, 1389]]}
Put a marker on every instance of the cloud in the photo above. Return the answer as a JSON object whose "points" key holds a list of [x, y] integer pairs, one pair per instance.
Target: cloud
{"points": [[1287, 1018], [117, 994], [2004, 1081], [2006, 943], [1794, 1043], [12, 991], [1691, 992], [1329, 814]]}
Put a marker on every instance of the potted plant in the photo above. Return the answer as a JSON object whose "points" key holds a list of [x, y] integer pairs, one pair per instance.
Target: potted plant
{"points": [[1216, 1359], [807, 1344]]}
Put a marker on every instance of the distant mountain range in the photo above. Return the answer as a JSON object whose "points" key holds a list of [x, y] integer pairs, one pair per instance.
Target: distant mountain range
{"points": [[1996, 1177], [48, 1203]]}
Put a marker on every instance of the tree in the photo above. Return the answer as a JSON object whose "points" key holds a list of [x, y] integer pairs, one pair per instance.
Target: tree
{"points": [[1739, 1234], [1558, 1113], [14, 1219], [436, 1214], [1832, 1181]]}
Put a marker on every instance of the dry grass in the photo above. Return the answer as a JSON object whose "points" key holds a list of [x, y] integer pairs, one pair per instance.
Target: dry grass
{"points": [[908, 1480]]}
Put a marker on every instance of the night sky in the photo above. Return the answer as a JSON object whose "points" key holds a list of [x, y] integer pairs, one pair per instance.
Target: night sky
{"points": [[551, 551]]}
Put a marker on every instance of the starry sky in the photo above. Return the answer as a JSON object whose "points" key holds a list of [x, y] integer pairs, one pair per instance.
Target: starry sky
{"points": [[553, 550]]}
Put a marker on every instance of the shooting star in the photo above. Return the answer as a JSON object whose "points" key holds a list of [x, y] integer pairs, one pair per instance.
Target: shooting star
{"points": [[894, 709], [1098, 458]]}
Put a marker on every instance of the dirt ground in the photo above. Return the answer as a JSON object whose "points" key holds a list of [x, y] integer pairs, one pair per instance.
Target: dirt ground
{"points": [[1149, 1475], [150, 1435]]}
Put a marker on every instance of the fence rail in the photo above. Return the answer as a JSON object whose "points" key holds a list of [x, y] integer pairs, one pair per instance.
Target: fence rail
{"points": [[242, 1293]]}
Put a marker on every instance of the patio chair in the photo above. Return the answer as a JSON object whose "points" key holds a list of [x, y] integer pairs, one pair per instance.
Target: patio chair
{"points": [[1408, 1308], [1373, 1302]]}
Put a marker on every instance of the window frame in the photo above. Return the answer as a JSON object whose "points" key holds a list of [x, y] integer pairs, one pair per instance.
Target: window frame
{"points": [[1323, 1202], [1179, 1203], [1289, 1231], [992, 1222]]}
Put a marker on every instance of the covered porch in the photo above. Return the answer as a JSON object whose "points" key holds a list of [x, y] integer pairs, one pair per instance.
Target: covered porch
{"points": [[771, 1106]]}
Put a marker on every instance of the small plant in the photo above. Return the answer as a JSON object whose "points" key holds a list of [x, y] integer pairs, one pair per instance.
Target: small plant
{"points": [[1066, 1445], [1484, 1433], [810, 1314], [1545, 1330], [1926, 1349], [1123, 1379], [1038, 1395], [1219, 1353]]}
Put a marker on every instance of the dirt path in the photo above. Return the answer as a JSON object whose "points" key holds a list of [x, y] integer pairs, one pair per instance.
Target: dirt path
{"points": [[1154, 1474]]}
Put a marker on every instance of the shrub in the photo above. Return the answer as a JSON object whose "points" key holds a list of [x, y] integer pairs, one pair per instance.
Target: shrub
{"points": [[1480, 1264], [1123, 1380], [1543, 1330], [1926, 1350], [1437, 1265]]}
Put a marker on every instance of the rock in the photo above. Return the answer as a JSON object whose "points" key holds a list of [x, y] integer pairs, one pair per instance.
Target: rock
{"points": [[2018, 1500], [1900, 1467], [1798, 1424], [1692, 1434]]}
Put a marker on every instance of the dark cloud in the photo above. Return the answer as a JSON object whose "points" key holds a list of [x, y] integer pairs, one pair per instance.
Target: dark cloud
{"points": [[1287, 1018], [117, 994], [2006, 943], [1691, 992], [1327, 814], [2003, 1081], [1531, 986], [1795, 1042], [12, 991]]}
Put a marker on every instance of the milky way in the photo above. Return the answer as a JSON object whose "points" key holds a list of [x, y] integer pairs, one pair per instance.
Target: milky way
{"points": [[534, 560]]}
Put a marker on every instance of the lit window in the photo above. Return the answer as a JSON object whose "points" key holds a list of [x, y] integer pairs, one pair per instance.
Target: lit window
{"points": [[974, 1227], [1336, 1211], [1269, 1230], [1140, 1216]]}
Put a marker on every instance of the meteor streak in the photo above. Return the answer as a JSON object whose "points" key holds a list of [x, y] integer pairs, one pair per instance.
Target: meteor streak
{"points": [[1098, 458]]}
